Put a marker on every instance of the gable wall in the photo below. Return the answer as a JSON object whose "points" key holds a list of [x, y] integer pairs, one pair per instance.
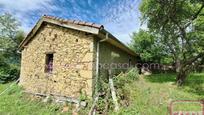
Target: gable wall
{"points": [[73, 65]]}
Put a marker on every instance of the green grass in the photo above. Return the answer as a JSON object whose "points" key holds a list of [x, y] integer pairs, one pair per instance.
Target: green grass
{"points": [[149, 95], [14, 102]]}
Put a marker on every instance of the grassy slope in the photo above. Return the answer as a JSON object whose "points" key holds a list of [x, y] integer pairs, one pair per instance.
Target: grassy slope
{"points": [[149, 95], [13, 102]]}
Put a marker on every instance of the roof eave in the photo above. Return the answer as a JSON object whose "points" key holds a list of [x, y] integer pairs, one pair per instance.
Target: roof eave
{"points": [[114, 41]]}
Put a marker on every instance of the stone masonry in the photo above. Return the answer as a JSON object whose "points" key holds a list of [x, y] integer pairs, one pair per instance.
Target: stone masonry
{"points": [[73, 53]]}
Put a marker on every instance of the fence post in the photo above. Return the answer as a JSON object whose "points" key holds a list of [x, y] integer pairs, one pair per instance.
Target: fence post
{"points": [[113, 93]]}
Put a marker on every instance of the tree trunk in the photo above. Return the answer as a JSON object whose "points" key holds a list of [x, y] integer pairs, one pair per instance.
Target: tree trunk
{"points": [[178, 65], [180, 79]]}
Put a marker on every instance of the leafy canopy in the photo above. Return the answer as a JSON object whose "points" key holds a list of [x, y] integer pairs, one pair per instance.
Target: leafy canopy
{"points": [[178, 25]]}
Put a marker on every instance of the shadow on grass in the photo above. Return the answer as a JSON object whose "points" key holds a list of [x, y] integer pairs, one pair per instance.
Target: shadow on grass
{"points": [[162, 77], [193, 84]]}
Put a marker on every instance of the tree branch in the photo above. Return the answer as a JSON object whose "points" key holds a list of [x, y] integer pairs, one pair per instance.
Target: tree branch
{"points": [[195, 15], [190, 61]]}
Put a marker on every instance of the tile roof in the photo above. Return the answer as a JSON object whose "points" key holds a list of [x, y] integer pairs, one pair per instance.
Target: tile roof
{"points": [[82, 23]]}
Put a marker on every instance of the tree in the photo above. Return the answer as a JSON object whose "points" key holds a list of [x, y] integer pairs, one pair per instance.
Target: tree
{"points": [[10, 38], [178, 25], [148, 46]]}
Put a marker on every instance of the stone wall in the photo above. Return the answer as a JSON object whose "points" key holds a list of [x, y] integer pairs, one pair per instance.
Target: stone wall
{"points": [[73, 65]]}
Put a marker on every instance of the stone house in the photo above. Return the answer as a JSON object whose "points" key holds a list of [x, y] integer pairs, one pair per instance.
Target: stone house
{"points": [[63, 56]]}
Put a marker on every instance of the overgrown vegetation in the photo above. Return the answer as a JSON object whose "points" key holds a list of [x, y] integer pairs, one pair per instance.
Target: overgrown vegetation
{"points": [[105, 102], [137, 95], [151, 95]]}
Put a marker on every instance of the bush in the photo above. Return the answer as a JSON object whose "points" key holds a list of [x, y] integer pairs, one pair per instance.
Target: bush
{"points": [[123, 78], [105, 103], [9, 73], [132, 74]]}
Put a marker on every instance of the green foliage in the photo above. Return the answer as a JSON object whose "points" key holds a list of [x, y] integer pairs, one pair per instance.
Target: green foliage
{"points": [[103, 85], [177, 24], [146, 44], [101, 104], [8, 25], [128, 77], [132, 74], [82, 96], [10, 38], [9, 73], [119, 81]]}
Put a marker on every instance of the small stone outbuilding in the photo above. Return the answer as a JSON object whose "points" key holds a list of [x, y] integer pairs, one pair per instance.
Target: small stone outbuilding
{"points": [[64, 57]]}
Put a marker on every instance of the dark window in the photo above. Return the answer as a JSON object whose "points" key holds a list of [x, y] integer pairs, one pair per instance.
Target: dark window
{"points": [[49, 63]]}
